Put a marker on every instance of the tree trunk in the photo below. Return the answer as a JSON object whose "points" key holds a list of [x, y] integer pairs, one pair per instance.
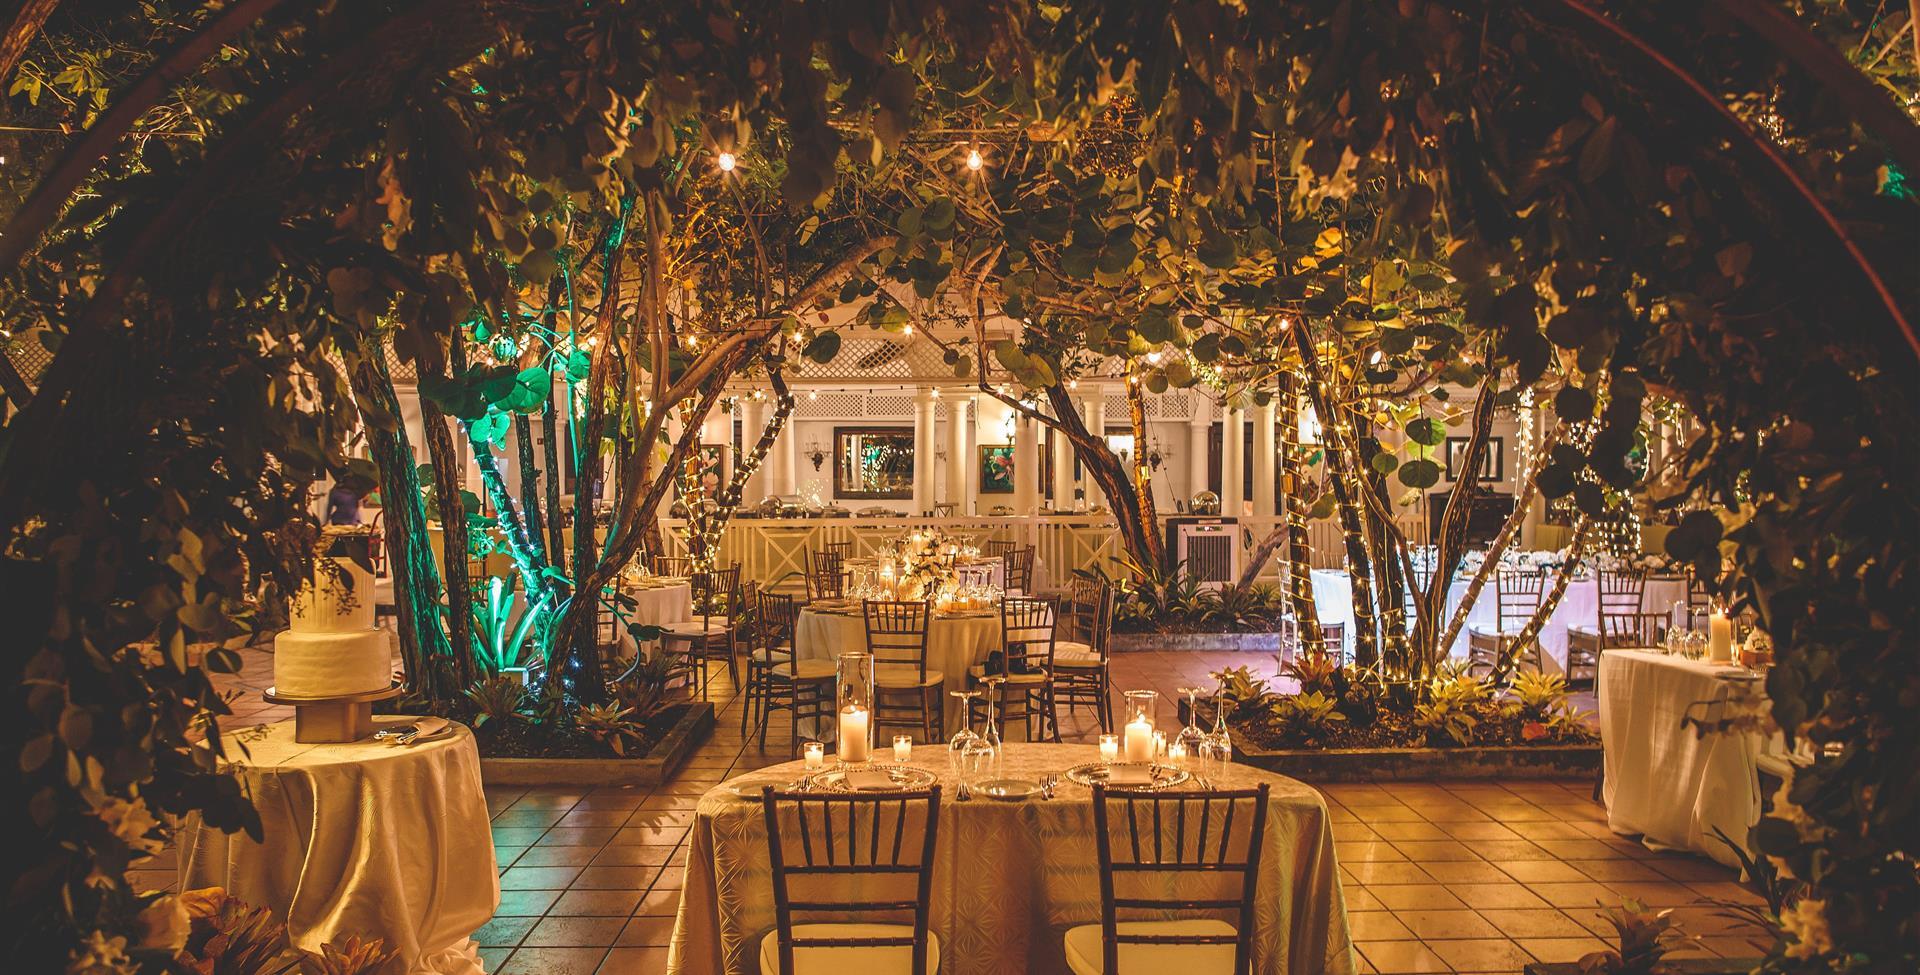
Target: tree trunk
{"points": [[453, 536], [1531, 632], [1339, 463], [1299, 544], [529, 483], [1499, 546], [556, 527], [416, 584]]}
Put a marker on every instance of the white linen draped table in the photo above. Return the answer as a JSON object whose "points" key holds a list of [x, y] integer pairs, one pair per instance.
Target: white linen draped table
{"points": [[361, 838], [968, 572], [654, 604], [1579, 606], [1010, 877], [1665, 781], [955, 642]]}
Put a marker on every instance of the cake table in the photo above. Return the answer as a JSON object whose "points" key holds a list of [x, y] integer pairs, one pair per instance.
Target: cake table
{"points": [[363, 838]]}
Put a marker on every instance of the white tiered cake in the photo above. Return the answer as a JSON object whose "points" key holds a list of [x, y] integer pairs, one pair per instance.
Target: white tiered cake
{"points": [[332, 648]]}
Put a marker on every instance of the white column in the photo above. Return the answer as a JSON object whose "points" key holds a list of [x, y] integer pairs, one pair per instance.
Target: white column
{"points": [[1026, 466], [1062, 473], [1093, 409], [970, 459], [753, 420], [923, 447], [1264, 461], [1197, 466], [959, 454], [1232, 461], [780, 476]]}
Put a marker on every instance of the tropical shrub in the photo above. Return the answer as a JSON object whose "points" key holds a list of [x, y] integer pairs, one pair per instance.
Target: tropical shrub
{"points": [[1313, 670], [1645, 939], [496, 699], [1239, 689], [1309, 716], [609, 724]]}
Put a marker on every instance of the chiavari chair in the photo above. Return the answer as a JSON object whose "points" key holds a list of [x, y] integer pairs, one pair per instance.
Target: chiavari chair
{"points": [[851, 856], [775, 680], [1025, 688], [826, 575], [709, 635], [1619, 622], [675, 566], [1018, 564], [1081, 672], [1173, 853], [897, 639], [1516, 596]]}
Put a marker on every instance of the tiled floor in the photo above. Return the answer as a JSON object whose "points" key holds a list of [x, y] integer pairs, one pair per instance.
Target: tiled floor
{"points": [[1439, 877]]}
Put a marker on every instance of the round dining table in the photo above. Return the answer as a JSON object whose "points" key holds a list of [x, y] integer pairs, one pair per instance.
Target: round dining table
{"points": [[361, 838], [656, 602], [955, 642], [1010, 877]]}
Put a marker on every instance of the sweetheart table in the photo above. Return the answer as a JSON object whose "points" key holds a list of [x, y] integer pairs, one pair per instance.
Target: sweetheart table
{"points": [[359, 838], [1010, 877]]}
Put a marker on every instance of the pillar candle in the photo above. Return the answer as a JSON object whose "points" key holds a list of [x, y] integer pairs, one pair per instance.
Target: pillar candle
{"points": [[1719, 638], [1139, 740], [853, 734]]}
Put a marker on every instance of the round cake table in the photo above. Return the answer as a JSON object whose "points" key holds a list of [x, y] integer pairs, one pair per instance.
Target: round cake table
{"points": [[1009, 876], [955, 642], [363, 838]]}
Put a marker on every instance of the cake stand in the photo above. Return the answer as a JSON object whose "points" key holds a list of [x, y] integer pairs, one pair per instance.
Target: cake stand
{"points": [[328, 720]]}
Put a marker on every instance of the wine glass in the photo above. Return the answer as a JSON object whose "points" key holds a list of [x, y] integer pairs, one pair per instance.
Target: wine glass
{"points": [[991, 733], [976, 767], [1219, 741], [1190, 738], [965, 736]]}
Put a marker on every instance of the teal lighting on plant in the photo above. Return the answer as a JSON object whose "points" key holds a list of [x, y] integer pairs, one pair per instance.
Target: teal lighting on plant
{"points": [[1895, 183]]}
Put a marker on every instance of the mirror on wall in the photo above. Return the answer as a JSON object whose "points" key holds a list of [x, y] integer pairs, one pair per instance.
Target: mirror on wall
{"points": [[872, 462]]}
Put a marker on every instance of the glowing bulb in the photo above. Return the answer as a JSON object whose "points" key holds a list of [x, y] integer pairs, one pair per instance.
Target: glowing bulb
{"points": [[1376, 357], [1154, 357], [593, 340], [726, 162], [936, 392], [1073, 384], [813, 394], [908, 330], [974, 162]]}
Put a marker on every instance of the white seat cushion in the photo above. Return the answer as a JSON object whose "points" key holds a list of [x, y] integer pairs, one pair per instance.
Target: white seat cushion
{"points": [[1490, 632], [848, 961], [904, 675], [1072, 653], [807, 670], [1083, 945], [773, 655]]}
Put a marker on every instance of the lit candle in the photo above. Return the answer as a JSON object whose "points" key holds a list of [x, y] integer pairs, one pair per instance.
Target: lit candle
{"points": [[1159, 744], [1109, 748], [1719, 638], [816, 755], [853, 734], [1139, 740], [1177, 753], [903, 748]]}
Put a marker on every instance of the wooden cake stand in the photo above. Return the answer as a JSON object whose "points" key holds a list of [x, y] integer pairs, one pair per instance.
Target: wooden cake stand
{"points": [[329, 720]]}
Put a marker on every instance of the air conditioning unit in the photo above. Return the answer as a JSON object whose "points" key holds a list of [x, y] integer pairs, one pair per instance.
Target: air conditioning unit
{"points": [[1209, 552]]}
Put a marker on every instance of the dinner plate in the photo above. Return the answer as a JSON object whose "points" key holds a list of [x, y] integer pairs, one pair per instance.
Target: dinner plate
{"points": [[1008, 790], [1098, 773], [904, 778]]}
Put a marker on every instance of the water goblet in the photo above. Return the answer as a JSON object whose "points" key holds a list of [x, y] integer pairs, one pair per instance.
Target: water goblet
{"points": [[966, 735]]}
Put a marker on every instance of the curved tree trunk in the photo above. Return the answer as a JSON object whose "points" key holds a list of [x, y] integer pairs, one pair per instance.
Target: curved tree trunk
{"points": [[1299, 545], [453, 534], [1340, 459], [530, 509], [1530, 634]]}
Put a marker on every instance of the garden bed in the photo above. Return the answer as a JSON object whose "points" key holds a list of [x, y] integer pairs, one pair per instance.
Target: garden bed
{"points": [[1244, 642], [669, 736], [1556, 761]]}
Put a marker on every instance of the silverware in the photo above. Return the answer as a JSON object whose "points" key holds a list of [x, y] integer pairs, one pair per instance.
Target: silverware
{"points": [[399, 731], [1047, 784], [964, 793]]}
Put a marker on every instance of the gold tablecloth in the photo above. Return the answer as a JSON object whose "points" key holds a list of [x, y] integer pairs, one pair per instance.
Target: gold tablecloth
{"points": [[1011, 877]]}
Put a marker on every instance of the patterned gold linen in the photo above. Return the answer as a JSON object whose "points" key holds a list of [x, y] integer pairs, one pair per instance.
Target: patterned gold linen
{"points": [[954, 643], [1011, 877]]}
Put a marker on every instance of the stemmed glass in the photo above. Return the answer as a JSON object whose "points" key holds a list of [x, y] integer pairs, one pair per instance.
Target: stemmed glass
{"points": [[1219, 742], [976, 767], [991, 733], [965, 736], [1190, 738]]}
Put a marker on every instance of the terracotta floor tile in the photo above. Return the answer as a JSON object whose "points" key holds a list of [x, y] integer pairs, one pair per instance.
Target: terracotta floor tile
{"points": [[1690, 870], [1609, 871], [1534, 923], [529, 817], [1424, 850], [596, 903], [1453, 812], [1576, 895], [633, 856], [525, 903], [1727, 946], [574, 932], [1376, 926], [504, 931], [1371, 873], [1497, 895], [1416, 897], [662, 902], [1359, 898], [1561, 949], [1366, 852], [1657, 895], [1540, 871], [634, 961], [492, 958], [1408, 831], [1443, 925], [1581, 849], [597, 817], [538, 878], [1397, 957], [1549, 831], [1355, 832], [556, 856], [1451, 872], [616, 878], [1387, 813], [650, 835], [507, 856], [578, 836], [1508, 850], [647, 930], [1728, 892], [1482, 955], [553, 961], [1478, 831], [517, 835], [548, 799]]}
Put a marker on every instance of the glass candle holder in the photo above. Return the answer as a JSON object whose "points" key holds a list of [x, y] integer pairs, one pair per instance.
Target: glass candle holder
{"points": [[1136, 741], [815, 754], [853, 679], [1109, 748], [903, 748]]}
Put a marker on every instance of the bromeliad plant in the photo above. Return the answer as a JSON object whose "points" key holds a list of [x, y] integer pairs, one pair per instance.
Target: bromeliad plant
{"points": [[610, 725], [499, 634]]}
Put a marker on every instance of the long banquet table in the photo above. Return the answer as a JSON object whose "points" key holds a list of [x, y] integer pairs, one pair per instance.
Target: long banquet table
{"points": [[1010, 877], [1664, 781], [955, 642]]}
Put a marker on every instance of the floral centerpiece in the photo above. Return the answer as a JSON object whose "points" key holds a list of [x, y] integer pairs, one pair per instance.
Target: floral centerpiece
{"points": [[1652, 563], [1533, 561], [921, 564]]}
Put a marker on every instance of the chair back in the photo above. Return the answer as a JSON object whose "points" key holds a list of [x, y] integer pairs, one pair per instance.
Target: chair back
{"points": [[826, 575], [1019, 569], [820, 847], [1027, 626], [1417, 585], [1622, 622], [717, 592], [1699, 600], [1095, 618], [775, 615], [1516, 595], [897, 632], [677, 566], [997, 547], [945, 509], [843, 549], [1179, 838], [1333, 642]]}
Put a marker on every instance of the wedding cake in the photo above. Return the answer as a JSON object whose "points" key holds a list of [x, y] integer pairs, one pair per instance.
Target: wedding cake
{"points": [[333, 648]]}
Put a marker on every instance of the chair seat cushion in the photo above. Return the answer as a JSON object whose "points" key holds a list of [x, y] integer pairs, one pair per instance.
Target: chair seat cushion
{"points": [[848, 961], [804, 670], [1490, 632], [1072, 653], [904, 675], [772, 655], [1084, 956], [979, 671], [699, 626]]}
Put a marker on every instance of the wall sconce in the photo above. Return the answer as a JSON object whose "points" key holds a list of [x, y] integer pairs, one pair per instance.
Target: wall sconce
{"points": [[813, 452], [1158, 453]]}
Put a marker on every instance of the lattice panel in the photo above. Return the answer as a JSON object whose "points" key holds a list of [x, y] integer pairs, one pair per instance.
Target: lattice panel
{"points": [[866, 359], [889, 406], [831, 406]]}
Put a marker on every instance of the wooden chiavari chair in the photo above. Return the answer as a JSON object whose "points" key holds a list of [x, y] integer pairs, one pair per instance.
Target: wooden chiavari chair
{"points": [[1081, 671], [1516, 595], [1619, 622], [1025, 685], [1192, 841], [843, 549], [997, 547], [1018, 564], [775, 681], [897, 639], [826, 575], [676, 566], [822, 846], [709, 635]]}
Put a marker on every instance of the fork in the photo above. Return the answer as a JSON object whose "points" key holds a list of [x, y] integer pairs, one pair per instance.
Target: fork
{"points": [[1047, 784]]}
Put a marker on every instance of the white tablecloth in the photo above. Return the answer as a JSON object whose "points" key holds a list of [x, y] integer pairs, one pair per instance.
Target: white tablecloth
{"points": [[362, 838], [1664, 781], [655, 606], [1010, 877], [1580, 606], [954, 643]]}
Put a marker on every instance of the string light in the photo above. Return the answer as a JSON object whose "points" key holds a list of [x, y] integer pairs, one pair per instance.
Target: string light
{"points": [[726, 162], [908, 330], [974, 162]]}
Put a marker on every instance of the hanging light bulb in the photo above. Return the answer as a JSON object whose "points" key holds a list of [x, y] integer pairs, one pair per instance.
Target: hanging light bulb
{"points": [[908, 330], [974, 162], [813, 394], [936, 392], [1073, 384], [726, 162], [1376, 357]]}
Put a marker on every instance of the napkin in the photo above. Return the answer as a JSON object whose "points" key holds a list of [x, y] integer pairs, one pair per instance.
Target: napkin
{"points": [[870, 780], [1135, 774]]}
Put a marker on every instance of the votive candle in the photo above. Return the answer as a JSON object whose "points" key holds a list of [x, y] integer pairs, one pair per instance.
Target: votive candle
{"points": [[903, 748], [1109, 748], [1159, 744], [816, 755]]}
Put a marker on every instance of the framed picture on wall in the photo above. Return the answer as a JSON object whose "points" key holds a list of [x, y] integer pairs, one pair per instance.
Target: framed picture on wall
{"points": [[996, 468], [872, 462], [1493, 460]]}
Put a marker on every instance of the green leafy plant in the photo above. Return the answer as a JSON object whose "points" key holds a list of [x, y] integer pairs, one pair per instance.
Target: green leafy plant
{"points": [[1313, 670], [1360, 691], [642, 690], [497, 699], [1239, 689], [1309, 715], [610, 725], [1445, 720], [499, 636], [1538, 695], [1646, 937]]}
